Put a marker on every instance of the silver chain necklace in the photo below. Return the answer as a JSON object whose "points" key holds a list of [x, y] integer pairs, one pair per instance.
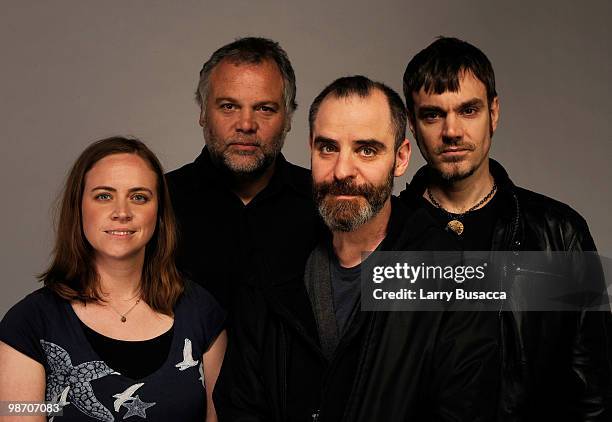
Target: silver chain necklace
{"points": [[455, 223]]}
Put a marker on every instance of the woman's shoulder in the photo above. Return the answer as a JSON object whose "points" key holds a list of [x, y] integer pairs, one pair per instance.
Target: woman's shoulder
{"points": [[42, 300], [28, 320], [194, 294], [197, 304]]}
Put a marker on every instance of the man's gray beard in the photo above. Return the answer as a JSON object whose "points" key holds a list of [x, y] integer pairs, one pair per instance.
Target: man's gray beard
{"points": [[348, 215], [250, 168]]}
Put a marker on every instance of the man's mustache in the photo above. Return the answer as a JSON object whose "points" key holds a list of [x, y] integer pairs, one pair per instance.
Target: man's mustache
{"points": [[450, 145], [340, 187]]}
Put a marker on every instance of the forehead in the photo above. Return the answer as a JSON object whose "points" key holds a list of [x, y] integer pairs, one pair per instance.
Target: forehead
{"points": [[470, 87], [246, 80], [354, 117], [118, 170]]}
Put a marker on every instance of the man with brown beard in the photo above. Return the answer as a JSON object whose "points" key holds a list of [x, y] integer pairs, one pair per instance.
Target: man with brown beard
{"points": [[308, 351], [245, 214]]}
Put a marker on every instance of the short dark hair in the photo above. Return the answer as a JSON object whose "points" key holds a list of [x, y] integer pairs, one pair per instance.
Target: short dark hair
{"points": [[362, 86], [253, 50], [72, 274], [438, 68]]}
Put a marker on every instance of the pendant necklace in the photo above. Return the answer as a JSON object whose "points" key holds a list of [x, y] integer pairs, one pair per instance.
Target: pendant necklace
{"points": [[124, 315], [455, 223]]}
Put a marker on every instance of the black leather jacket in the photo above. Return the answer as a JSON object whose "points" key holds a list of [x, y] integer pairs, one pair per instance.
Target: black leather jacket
{"points": [[556, 366]]}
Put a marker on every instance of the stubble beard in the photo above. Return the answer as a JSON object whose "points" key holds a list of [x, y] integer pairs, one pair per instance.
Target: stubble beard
{"points": [[456, 173], [243, 164], [346, 215]]}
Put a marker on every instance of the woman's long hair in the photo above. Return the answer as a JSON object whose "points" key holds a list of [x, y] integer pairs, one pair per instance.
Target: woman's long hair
{"points": [[72, 274]]}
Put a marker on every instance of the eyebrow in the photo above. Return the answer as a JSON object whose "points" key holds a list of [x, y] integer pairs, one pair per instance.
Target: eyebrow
{"points": [[234, 101], [111, 189], [374, 143], [324, 140], [474, 102]]}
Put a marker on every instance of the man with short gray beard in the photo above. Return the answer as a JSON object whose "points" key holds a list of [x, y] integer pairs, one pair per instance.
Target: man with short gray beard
{"points": [[245, 214], [307, 351]]}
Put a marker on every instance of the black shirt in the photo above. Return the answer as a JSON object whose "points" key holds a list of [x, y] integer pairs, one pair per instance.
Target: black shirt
{"points": [[346, 288], [224, 243], [478, 225], [134, 359]]}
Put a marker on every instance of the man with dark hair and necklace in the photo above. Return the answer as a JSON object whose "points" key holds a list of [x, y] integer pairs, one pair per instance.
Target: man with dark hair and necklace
{"points": [[555, 365]]}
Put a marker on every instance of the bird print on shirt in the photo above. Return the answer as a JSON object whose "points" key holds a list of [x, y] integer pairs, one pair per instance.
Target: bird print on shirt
{"points": [[188, 360], [126, 395], [62, 401]]}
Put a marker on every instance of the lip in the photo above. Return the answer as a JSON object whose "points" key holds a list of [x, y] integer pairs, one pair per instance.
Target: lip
{"points": [[120, 233], [345, 196], [247, 146], [454, 152]]}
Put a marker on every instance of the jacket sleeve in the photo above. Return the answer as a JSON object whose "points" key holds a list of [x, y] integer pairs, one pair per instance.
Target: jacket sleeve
{"points": [[465, 378], [239, 394], [592, 341]]}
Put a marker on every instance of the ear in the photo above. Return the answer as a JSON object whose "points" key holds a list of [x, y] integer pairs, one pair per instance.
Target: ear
{"points": [[288, 119], [494, 112], [202, 119], [402, 158]]}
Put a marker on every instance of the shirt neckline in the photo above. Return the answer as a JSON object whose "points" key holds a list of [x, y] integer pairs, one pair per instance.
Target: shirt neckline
{"points": [[83, 339]]}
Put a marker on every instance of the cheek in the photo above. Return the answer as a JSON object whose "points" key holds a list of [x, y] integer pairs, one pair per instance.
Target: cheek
{"points": [[378, 174], [150, 219], [427, 136], [321, 169], [88, 220]]}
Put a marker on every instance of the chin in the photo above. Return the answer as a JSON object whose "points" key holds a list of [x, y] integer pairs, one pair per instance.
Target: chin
{"points": [[454, 172]]}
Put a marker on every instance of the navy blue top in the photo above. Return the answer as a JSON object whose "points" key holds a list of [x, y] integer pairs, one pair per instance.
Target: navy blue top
{"points": [[44, 327]]}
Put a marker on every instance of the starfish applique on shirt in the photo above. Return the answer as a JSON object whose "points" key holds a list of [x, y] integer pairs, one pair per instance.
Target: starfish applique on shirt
{"points": [[136, 407], [78, 378]]}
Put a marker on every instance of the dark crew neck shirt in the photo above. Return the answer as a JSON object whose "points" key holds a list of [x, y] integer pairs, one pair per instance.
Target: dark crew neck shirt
{"points": [[346, 289]]}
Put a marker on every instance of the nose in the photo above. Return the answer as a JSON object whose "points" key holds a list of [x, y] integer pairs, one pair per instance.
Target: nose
{"points": [[344, 166], [122, 211], [452, 129], [247, 122]]}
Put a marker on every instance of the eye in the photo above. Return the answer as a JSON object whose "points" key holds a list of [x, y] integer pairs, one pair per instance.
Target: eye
{"points": [[367, 151], [430, 116], [267, 109], [469, 111], [327, 148], [227, 106], [103, 197], [140, 197]]}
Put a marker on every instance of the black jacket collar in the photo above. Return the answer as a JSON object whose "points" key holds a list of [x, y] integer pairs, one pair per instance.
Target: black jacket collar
{"points": [[506, 235]]}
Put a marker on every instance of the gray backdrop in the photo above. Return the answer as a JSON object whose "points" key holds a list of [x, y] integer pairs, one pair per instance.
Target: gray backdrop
{"points": [[76, 71]]}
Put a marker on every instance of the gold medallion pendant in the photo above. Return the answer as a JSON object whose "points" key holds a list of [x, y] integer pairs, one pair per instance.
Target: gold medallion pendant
{"points": [[456, 226]]}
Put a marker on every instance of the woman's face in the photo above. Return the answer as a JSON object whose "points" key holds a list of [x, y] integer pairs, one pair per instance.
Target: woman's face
{"points": [[119, 207]]}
